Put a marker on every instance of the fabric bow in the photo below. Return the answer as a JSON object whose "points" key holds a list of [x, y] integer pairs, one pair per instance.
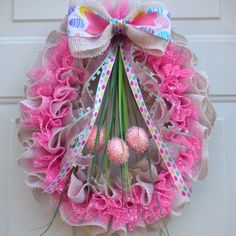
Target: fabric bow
{"points": [[91, 28]]}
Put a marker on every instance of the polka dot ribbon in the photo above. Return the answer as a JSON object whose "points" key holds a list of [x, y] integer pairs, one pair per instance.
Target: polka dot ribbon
{"points": [[162, 146], [82, 138]]}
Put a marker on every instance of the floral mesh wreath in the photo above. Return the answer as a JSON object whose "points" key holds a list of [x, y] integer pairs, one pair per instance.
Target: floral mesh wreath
{"points": [[57, 95]]}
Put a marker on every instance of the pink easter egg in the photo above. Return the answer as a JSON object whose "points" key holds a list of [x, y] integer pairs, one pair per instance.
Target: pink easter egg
{"points": [[92, 139], [137, 139], [118, 151]]}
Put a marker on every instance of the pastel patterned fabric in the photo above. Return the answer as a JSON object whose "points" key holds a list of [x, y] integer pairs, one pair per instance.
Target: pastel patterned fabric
{"points": [[91, 28]]}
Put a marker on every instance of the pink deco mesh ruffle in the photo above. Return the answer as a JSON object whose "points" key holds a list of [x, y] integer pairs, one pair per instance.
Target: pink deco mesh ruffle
{"points": [[57, 93]]}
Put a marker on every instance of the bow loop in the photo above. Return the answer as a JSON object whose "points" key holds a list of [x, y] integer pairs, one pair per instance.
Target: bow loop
{"points": [[91, 28]]}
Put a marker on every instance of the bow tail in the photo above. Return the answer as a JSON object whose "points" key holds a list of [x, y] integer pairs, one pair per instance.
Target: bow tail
{"points": [[81, 139], [161, 145]]}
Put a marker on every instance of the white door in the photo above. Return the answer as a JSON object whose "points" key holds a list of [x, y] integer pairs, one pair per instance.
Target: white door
{"points": [[210, 26]]}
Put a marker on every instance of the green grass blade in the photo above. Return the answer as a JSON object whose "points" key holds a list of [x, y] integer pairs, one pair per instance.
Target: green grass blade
{"points": [[157, 198], [120, 95], [59, 204]]}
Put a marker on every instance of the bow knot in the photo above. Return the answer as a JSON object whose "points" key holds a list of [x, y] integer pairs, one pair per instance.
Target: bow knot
{"points": [[118, 26], [91, 28]]}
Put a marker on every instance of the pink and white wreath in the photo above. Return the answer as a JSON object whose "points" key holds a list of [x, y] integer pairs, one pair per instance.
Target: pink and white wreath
{"points": [[121, 182]]}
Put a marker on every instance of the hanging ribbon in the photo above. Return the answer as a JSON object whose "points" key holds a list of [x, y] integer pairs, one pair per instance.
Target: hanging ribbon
{"points": [[162, 146], [90, 32], [83, 136]]}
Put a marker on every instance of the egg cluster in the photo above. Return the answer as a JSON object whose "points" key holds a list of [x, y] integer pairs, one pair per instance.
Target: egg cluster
{"points": [[136, 139]]}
